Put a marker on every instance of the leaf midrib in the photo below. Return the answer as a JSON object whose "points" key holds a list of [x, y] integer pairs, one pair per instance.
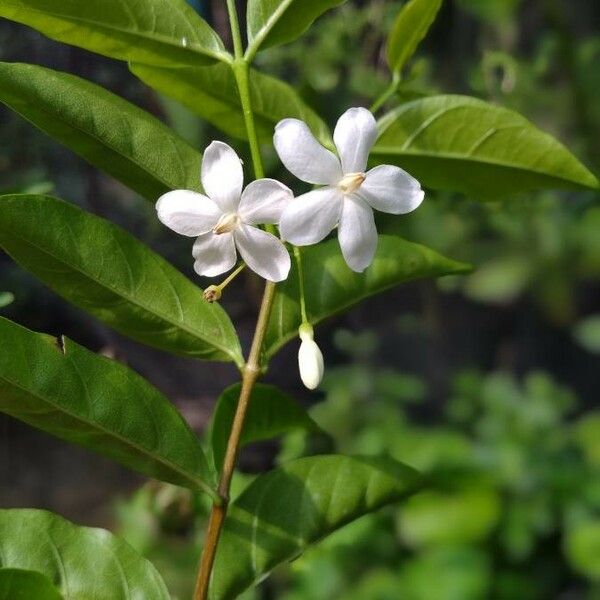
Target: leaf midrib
{"points": [[394, 150], [268, 27], [141, 305], [127, 442], [195, 47]]}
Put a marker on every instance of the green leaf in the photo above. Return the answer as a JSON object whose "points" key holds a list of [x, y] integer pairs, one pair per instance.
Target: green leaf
{"points": [[109, 132], [107, 272], [76, 395], [212, 93], [332, 287], [274, 22], [271, 413], [286, 510], [410, 27], [18, 584], [83, 563], [466, 145], [158, 32]]}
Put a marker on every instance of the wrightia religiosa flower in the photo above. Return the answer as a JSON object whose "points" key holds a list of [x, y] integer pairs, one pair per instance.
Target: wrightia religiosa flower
{"points": [[310, 358], [225, 220], [350, 193]]}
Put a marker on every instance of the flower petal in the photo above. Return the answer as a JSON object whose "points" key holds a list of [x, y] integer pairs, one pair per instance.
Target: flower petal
{"points": [[223, 176], [391, 190], [307, 219], [263, 201], [354, 136], [187, 213], [357, 233], [303, 155], [214, 254], [263, 252]]}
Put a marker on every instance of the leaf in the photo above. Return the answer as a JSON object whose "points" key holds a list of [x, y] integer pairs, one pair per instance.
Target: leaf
{"points": [[466, 145], [332, 287], [107, 272], [158, 32], [18, 584], [270, 413], [284, 511], [274, 22], [410, 27], [582, 548], [83, 563], [76, 395], [212, 93], [110, 133]]}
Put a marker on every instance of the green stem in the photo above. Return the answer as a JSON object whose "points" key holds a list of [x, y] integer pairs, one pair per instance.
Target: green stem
{"points": [[298, 257], [252, 368], [386, 94]]}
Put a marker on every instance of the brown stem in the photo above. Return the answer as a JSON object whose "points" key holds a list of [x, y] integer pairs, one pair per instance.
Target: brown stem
{"points": [[219, 512]]}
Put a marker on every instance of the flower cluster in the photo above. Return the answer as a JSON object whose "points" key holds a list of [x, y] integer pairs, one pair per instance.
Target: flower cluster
{"points": [[228, 219]]}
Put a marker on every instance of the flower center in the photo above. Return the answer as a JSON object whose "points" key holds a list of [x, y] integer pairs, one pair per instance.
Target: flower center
{"points": [[227, 223], [350, 182]]}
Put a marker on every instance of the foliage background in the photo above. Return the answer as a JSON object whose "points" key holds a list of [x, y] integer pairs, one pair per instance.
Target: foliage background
{"points": [[490, 379]]}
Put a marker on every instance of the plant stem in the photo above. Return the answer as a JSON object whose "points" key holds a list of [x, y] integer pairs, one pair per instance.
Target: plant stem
{"points": [[298, 257], [385, 95], [252, 368]]}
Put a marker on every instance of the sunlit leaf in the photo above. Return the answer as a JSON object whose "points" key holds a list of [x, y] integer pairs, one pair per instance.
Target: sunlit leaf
{"points": [[463, 144], [582, 547], [83, 563], [212, 93], [112, 134], [109, 273], [411, 26], [283, 512], [332, 287], [273, 22], [18, 584], [76, 395], [271, 413], [158, 32]]}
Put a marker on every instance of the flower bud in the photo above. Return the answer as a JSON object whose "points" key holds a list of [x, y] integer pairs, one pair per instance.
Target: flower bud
{"points": [[310, 358]]}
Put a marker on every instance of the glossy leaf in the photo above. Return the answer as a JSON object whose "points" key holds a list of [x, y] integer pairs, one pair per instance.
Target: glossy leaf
{"points": [[283, 512], [332, 287], [411, 26], [274, 22], [112, 134], [159, 32], [83, 563], [106, 271], [18, 584], [76, 395], [463, 144], [271, 413], [212, 93]]}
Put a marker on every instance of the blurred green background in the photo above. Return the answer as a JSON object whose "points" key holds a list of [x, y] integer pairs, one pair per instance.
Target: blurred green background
{"points": [[489, 382]]}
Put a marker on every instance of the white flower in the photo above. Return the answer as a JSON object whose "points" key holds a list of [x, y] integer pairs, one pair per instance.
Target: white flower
{"points": [[310, 358], [227, 218], [350, 194]]}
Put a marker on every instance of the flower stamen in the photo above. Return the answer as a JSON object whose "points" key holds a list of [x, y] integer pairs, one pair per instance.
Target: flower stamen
{"points": [[351, 182], [227, 223]]}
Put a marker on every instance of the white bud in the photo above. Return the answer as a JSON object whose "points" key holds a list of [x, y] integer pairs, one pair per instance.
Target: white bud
{"points": [[310, 358]]}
